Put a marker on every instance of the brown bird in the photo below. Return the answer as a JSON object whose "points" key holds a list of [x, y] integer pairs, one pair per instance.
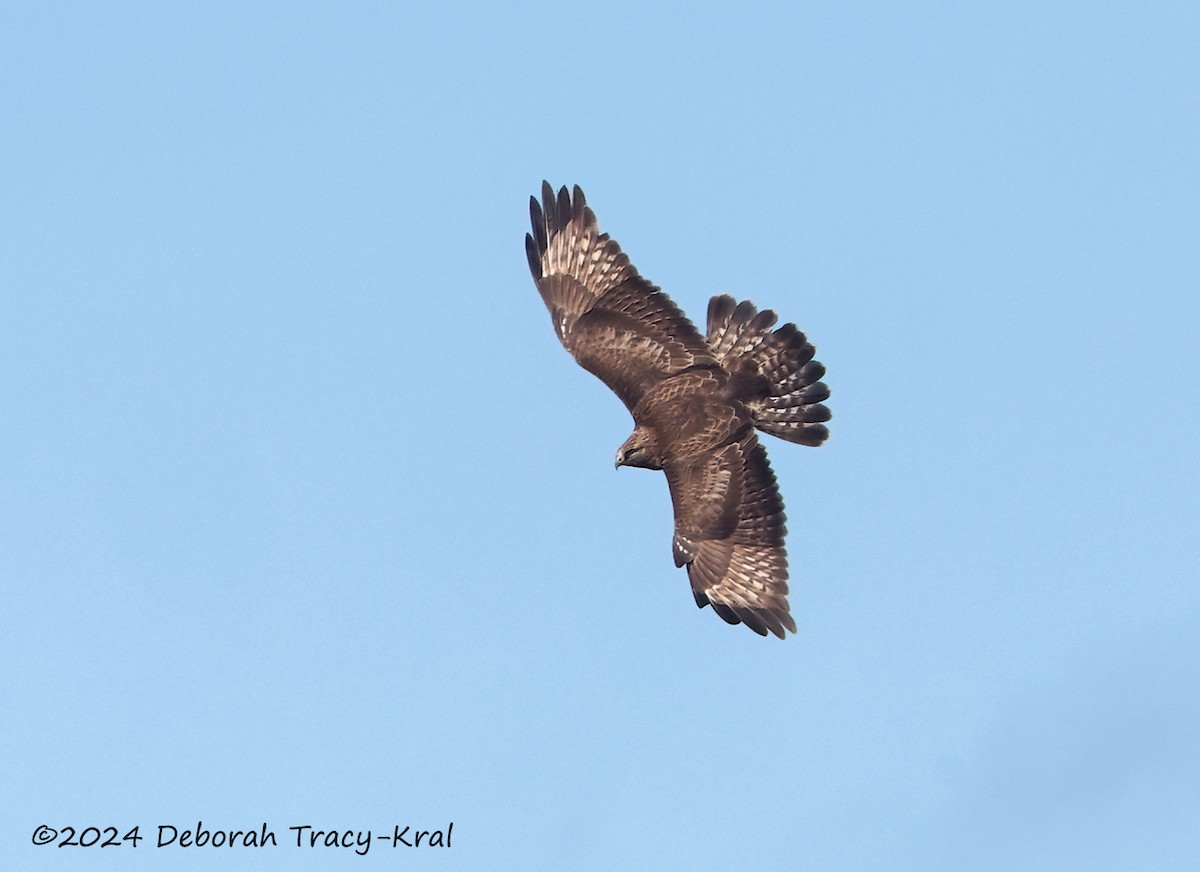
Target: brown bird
{"points": [[695, 401]]}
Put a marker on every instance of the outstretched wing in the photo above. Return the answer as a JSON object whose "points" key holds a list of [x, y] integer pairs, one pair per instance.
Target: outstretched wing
{"points": [[615, 323], [729, 529]]}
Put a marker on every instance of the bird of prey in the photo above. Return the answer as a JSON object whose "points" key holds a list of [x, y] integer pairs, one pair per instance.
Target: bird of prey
{"points": [[696, 402]]}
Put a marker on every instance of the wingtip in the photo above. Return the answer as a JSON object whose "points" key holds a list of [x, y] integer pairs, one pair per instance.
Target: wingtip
{"points": [[534, 255], [538, 220], [550, 208], [564, 206]]}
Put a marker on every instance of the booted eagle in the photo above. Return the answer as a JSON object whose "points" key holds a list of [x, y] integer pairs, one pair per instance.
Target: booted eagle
{"points": [[696, 402]]}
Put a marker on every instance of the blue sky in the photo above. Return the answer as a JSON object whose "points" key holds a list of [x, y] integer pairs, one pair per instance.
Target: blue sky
{"points": [[306, 517]]}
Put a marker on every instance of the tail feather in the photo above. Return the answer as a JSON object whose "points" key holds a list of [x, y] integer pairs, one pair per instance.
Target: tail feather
{"points": [[788, 403]]}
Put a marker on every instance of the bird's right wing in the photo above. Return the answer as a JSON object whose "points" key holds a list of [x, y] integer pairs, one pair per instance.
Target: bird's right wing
{"points": [[615, 323]]}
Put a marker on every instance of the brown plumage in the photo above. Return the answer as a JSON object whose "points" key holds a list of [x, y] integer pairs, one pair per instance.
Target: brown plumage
{"points": [[695, 400]]}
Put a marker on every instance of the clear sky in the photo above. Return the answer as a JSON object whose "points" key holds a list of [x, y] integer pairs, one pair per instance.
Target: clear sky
{"points": [[307, 519]]}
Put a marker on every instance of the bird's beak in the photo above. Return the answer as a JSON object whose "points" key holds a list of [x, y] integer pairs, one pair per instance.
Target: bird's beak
{"points": [[619, 461]]}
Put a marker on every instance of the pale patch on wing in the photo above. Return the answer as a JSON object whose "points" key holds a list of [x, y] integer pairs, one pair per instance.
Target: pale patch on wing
{"points": [[706, 491]]}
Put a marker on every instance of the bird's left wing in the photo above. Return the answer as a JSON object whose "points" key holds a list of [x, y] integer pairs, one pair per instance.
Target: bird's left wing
{"points": [[729, 529]]}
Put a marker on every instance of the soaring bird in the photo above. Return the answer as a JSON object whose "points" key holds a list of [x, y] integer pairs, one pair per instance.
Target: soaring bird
{"points": [[696, 402]]}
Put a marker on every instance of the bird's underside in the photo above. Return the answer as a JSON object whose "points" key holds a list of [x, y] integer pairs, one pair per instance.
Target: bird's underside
{"points": [[696, 402]]}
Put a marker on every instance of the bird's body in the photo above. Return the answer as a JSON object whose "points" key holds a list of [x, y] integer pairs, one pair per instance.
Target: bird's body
{"points": [[698, 412], [696, 402]]}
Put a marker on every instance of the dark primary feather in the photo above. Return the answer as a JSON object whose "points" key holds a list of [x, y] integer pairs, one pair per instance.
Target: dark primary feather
{"points": [[695, 400]]}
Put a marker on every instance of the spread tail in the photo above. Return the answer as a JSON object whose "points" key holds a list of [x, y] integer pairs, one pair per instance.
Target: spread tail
{"points": [[773, 370]]}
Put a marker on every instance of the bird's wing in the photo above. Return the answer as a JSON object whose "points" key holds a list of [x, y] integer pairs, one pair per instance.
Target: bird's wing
{"points": [[729, 531], [615, 323]]}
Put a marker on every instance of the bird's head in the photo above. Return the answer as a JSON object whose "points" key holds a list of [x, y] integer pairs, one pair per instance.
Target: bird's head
{"points": [[639, 449]]}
